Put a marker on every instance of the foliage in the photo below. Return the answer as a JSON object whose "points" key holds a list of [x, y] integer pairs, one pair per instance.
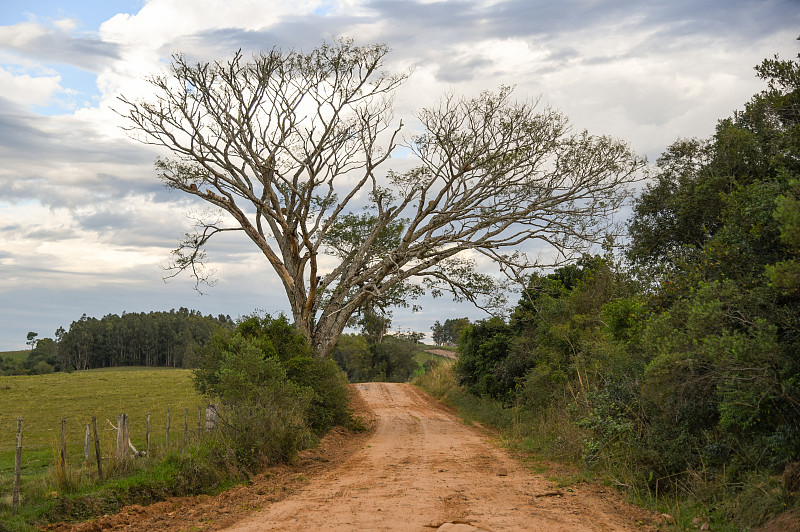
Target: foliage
{"points": [[352, 353], [723, 336], [374, 323], [330, 400], [132, 339], [554, 336], [275, 396], [393, 359], [449, 332], [494, 175], [31, 339], [265, 414], [483, 355], [785, 274], [679, 368]]}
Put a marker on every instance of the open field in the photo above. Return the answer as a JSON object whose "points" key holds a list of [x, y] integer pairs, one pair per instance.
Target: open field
{"points": [[42, 400], [443, 352], [17, 356], [424, 356]]}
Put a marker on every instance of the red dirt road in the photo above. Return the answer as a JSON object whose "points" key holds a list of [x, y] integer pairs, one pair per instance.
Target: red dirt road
{"points": [[419, 468], [423, 469]]}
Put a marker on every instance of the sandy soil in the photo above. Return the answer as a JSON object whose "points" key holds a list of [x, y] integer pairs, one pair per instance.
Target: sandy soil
{"points": [[419, 468], [424, 469]]}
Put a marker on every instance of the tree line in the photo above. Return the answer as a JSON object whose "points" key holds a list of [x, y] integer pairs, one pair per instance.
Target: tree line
{"points": [[132, 339], [449, 332], [678, 359]]}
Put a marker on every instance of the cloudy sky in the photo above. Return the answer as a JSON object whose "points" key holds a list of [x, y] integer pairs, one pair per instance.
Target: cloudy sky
{"points": [[85, 226]]}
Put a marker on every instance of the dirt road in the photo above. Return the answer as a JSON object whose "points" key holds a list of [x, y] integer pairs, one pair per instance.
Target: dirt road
{"points": [[419, 469], [423, 469]]}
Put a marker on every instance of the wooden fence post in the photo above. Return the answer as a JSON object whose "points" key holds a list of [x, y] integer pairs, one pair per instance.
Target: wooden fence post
{"points": [[167, 428], [97, 450], [126, 433], [185, 424], [211, 417], [87, 442], [147, 435], [17, 468], [199, 421], [64, 448], [123, 435]]}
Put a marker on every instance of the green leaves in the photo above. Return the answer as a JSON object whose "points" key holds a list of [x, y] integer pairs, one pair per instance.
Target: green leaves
{"points": [[348, 235], [785, 275], [276, 396]]}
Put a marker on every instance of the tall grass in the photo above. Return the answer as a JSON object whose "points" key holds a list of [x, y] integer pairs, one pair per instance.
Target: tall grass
{"points": [[550, 433]]}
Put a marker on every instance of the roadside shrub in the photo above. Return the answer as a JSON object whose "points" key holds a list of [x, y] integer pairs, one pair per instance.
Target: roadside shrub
{"points": [[483, 352], [352, 353], [330, 401], [276, 397]]}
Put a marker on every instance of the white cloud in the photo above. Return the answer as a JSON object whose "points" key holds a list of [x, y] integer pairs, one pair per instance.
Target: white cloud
{"points": [[21, 35], [26, 90]]}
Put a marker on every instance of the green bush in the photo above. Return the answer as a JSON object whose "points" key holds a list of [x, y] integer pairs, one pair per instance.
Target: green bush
{"points": [[275, 396], [330, 402], [483, 362]]}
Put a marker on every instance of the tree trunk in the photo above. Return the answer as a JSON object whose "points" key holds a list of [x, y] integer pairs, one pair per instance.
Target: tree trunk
{"points": [[326, 332]]}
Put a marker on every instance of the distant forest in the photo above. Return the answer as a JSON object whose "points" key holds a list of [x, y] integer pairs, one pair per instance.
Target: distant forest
{"points": [[133, 339]]}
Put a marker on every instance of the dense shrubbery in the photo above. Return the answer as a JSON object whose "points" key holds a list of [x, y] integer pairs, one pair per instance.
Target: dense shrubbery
{"points": [[390, 360], [680, 365], [275, 396]]}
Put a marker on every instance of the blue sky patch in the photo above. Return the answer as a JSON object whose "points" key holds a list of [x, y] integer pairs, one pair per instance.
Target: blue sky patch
{"points": [[91, 13]]}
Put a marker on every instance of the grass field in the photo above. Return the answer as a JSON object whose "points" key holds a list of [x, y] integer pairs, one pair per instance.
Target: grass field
{"points": [[16, 356], [423, 357], [452, 348], [42, 400]]}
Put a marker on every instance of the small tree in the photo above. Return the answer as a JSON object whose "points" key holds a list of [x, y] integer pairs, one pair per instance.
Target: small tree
{"points": [[32, 339], [289, 147]]}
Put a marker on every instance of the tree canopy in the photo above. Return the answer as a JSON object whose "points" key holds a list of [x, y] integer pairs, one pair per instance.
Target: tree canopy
{"points": [[292, 148]]}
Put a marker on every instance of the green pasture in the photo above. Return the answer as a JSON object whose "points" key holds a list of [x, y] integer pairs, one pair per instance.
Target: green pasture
{"points": [[452, 348], [42, 400], [423, 356], [16, 356]]}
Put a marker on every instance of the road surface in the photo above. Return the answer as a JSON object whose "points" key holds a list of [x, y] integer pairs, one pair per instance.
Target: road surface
{"points": [[423, 469]]}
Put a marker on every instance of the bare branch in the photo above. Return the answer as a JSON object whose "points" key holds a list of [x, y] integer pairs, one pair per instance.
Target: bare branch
{"points": [[293, 146]]}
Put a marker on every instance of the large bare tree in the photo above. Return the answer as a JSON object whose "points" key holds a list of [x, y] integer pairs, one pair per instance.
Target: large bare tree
{"points": [[291, 148]]}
